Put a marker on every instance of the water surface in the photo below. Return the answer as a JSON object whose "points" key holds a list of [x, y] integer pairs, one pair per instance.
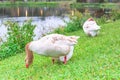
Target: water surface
{"points": [[46, 19]]}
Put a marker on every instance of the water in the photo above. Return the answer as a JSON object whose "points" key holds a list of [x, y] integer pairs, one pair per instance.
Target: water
{"points": [[46, 19], [32, 11], [42, 26]]}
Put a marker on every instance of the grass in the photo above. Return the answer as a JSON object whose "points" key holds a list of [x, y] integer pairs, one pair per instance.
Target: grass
{"points": [[56, 3], [96, 5], [95, 58], [28, 4]]}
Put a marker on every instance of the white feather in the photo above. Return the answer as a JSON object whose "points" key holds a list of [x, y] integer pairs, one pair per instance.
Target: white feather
{"points": [[69, 55], [91, 28]]}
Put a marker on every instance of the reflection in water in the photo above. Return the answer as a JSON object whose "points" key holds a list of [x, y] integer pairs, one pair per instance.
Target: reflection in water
{"points": [[29, 11], [26, 12], [46, 11], [18, 11], [41, 12], [43, 26], [94, 12], [72, 12], [56, 11]]}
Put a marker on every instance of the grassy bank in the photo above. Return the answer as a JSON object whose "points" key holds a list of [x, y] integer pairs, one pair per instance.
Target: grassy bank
{"points": [[55, 3], [94, 59], [96, 5], [28, 4]]}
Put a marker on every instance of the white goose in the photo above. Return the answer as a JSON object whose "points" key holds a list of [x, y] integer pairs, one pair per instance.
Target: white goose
{"points": [[68, 56], [53, 45], [91, 28]]}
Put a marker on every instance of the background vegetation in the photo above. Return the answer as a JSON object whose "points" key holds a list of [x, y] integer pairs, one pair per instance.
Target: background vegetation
{"points": [[73, 3], [29, 4], [96, 5], [18, 37]]}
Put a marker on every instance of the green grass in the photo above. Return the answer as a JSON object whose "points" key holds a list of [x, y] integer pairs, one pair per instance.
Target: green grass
{"points": [[95, 58], [56, 3], [28, 4], [96, 5]]}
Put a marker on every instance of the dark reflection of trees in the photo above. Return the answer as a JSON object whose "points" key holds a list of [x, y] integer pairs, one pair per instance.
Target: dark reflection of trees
{"points": [[99, 1], [2, 10], [99, 13], [91, 1], [36, 11], [94, 12], [46, 11]]}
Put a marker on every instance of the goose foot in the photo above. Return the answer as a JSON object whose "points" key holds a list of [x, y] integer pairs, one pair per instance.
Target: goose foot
{"points": [[65, 59]]}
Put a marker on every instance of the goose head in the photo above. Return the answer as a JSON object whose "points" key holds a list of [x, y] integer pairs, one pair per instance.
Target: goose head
{"points": [[29, 56]]}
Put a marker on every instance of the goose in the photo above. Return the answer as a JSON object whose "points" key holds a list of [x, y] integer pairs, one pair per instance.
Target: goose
{"points": [[56, 46], [91, 28], [68, 56]]}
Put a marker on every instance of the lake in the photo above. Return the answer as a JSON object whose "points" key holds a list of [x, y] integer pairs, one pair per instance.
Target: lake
{"points": [[46, 19]]}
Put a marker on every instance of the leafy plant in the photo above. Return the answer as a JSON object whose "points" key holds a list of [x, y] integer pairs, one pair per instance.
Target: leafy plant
{"points": [[115, 14], [9, 49], [102, 20], [59, 30], [18, 37], [76, 22]]}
